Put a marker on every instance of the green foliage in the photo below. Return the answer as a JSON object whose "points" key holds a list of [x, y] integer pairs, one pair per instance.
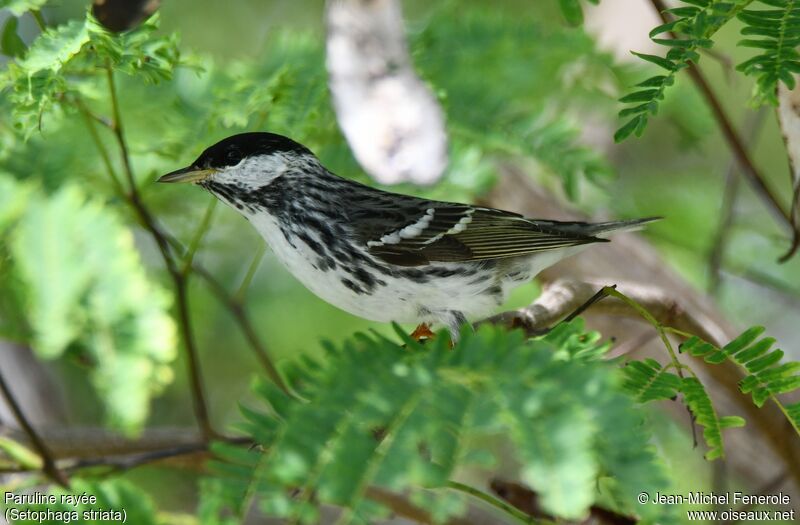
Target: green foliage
{"points": [[693, 27], [530, 117], [572, 10], [766, 376], [407, 417], [10, 42], [697, 399], [63, 62], [776, 34], [573, 342], [112, 497], [648, 381], [82, 286], [18, 7]]}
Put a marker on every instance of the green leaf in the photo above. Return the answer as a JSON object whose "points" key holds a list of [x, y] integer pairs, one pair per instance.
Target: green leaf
{"points": [[629, 127], [648, 381], [778, 57], [55, 47], [766, 376], [645, 95], [404, 417], [572, 11], [731, 422], [692, 29], [86, 285], [657, 60], [702, 408], [744, 340], [10, 43]]}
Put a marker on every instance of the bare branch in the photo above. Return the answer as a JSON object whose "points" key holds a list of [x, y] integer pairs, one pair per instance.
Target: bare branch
{"points": [[48, 465], [562, 297]]}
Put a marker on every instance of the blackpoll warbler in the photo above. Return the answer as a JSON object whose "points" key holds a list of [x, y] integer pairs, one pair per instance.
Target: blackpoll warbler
{"points": [[380, 255]]}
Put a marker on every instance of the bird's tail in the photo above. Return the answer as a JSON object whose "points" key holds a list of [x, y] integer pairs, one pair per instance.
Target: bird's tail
{"points": [[601, 229], [630, 225]]}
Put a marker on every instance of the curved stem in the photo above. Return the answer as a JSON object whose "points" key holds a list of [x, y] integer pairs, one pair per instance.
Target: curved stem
{"points": [[48, 464], [496, 503], [205, 223]]}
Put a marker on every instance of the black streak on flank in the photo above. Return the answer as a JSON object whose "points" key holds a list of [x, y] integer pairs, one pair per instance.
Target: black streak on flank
{"points": [[353, 286]]}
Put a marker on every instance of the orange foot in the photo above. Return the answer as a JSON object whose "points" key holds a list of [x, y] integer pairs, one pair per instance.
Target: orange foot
{"points": [[422, 332]]}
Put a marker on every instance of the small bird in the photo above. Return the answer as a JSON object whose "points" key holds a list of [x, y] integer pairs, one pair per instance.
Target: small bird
{"points": [[379, 255]]}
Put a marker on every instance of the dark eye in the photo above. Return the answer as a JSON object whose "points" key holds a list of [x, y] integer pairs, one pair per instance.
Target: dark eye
{"points": [[233, 156]]}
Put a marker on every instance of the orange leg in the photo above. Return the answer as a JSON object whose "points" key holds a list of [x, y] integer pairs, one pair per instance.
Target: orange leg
{"points": [[422, 332]]}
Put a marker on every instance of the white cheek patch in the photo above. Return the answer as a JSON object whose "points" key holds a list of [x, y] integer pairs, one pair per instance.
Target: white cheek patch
{"points": [[256, 172]]}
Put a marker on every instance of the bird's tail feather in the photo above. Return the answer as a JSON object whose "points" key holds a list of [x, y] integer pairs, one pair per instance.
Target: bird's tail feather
{"points": [[600, 228]]}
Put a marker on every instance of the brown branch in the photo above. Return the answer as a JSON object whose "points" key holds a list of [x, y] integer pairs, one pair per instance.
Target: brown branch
{"points": [[122, 454], [562, 297], [526, 500], [48, 464], [179, 279], [735, 142]]}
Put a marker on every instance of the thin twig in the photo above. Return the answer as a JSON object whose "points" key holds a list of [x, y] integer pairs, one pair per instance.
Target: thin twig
{"points": [[729, 197], [48, 465], [735, 142], [40, 22], [251, 271], [179, 280], [498, 503], [89, 120], [194, 244], [242, 318]]}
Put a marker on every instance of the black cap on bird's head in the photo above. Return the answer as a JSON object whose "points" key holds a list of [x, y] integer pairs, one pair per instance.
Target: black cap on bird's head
{"points": [[231, 151]]}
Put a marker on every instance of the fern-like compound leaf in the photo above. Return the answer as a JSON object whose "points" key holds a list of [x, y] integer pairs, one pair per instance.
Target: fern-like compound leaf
{"points": [[766, 373], [777, 35], [404, 418], [692, 28]]}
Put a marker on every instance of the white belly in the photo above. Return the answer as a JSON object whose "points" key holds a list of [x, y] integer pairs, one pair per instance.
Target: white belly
{"points": [[398, 299]]}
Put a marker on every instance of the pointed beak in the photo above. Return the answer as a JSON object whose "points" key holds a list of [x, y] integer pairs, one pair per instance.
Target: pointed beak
{"points": [[189, 174]]}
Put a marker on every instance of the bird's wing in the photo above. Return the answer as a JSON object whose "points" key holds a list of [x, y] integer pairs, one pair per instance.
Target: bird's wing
{"points": [[420, 232]]}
